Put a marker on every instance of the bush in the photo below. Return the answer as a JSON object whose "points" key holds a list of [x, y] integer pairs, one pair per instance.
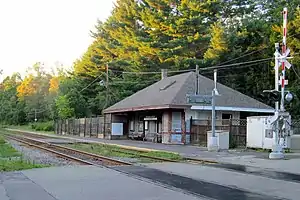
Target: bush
{"points": [[43, 126], [2, 141]]}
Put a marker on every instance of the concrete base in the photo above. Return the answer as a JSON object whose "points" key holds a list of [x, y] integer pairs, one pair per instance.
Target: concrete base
{"points": [[212, 144], [276, 153]]}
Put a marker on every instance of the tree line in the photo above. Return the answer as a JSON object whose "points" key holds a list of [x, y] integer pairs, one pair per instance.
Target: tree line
{"points": [[150, 35]]}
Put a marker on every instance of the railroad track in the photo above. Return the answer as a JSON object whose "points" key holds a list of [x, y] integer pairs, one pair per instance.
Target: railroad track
{"points": [[69, 153], [125, 151]]}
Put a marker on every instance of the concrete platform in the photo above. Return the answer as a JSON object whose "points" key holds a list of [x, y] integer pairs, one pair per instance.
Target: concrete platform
{"points": [[81, 182], [280, 189], [59, 141]]}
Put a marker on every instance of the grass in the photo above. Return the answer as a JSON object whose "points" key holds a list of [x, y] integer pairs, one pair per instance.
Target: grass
{"points": [[12, 160], [6, 150], [115, 151], [27, 128], [16, 165]]}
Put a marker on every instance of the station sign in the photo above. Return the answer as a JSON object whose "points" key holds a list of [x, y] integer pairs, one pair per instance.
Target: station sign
{"points": [[150, 118], [199, 99]]}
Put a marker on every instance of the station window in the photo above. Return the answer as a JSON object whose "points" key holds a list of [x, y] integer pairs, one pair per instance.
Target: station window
{"points": [[176, 121]]}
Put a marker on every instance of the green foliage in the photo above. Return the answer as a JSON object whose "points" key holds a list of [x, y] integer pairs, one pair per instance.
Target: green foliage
{"points": [[115, 151], [15, 165], [148, 35], [63, 107], [12, 160], [6, 150], [2, 141], [43, 126]]}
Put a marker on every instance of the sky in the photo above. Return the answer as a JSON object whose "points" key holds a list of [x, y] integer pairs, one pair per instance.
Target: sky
{"points": [[46, 31]]}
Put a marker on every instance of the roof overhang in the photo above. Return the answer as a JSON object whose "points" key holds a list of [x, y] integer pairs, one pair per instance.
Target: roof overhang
{"points": [[141, 108], [240, 109]]}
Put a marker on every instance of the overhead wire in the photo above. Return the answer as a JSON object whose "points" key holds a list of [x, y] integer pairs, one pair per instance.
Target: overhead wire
{"points": [[153, 72], [220, 66], [89, 84], [203, 69], [295, 72], [187, 70], [238, 67], [243, 55], [236, 64]]}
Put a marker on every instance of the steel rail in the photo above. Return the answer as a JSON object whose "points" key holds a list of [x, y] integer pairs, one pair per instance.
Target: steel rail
{"points": [[126, 151], [31, 141], [119, 151], [52, 151]]}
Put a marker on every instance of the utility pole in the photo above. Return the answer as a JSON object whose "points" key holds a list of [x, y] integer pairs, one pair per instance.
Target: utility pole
{"points": [[213, 140], [197, 81], [107, 79], [213, 102]]}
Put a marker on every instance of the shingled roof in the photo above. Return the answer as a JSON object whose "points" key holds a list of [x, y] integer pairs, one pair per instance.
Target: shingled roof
{"points": [[171, 92]]}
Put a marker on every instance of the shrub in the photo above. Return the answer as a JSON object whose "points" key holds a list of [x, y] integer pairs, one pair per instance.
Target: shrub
{"points": [[2, 141], [43, 126]]}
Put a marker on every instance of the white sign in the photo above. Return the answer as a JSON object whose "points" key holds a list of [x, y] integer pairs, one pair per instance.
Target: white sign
{"points": [[117, 129], [150, 118]]}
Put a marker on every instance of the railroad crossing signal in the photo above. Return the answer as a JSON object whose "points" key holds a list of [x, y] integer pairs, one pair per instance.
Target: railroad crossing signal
{"points": [[283, 59], [285, 81], [274, 95]]}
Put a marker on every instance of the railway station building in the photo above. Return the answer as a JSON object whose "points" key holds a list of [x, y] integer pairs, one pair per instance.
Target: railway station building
{"points": [[162, 113]]}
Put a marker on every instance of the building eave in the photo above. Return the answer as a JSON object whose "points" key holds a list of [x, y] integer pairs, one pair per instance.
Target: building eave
{"points": [[141, 108], [238, 109]]}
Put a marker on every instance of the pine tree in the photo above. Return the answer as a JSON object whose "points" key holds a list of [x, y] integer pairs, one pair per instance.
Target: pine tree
{"points": [[218, 44]]}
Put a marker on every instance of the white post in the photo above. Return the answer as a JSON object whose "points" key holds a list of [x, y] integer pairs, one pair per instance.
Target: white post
{"points": [[277, 55], [213, 142], [283, 53], [277, 149], [213, 114]]}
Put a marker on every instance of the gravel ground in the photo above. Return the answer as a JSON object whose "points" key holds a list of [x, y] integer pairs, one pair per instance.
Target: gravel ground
{"points": [[39, 156]]}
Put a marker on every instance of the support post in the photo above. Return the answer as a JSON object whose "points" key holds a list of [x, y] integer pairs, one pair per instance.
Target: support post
{"points": [[213, 143], [277, 152], [106, 84], [197, 81], [283, 53]]}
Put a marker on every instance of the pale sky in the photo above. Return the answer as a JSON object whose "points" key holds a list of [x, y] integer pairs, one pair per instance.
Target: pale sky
{"points": [[46, 31]]}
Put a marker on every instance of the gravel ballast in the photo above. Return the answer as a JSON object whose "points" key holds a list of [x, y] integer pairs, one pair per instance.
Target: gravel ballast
{"points": [[39, 156]]}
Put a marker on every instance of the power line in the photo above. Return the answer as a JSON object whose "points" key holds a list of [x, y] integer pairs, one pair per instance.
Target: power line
{"points": [[202, 69], [89, 84], [153, 72], [235, 64], [240, 67], [295, 72], [125, 82], [243, 55]]}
